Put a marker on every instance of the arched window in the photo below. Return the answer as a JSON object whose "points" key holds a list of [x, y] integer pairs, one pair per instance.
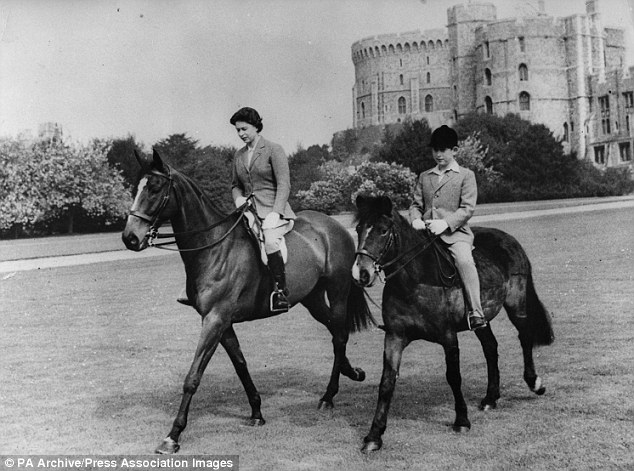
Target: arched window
{"points": [[400, 77], [525, 101], [428, 78], [523, 70], [429, 104], [402, 106], [489, 105], [487, 77], [566, 134]]}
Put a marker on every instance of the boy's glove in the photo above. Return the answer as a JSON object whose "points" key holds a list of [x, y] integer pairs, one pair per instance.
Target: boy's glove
{"points": [[418, 224], [437, 226]]}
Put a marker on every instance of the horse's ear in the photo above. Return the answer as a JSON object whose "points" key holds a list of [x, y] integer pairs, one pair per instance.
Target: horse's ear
{"points": [[140, 159], [157, 161], [361, 201], [384, 203]]}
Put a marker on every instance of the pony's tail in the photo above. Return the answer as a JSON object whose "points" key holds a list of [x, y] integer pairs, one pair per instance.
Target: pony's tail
{"points": [[359, 316], [538, 316]]}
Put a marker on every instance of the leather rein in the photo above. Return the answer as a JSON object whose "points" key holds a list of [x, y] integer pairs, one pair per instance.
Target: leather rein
{"points": [[410, 254], [154, 221]]}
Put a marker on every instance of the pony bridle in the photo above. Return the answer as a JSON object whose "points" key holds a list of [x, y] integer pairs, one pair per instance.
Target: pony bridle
{"points": [[154, 221], [376, 260]]}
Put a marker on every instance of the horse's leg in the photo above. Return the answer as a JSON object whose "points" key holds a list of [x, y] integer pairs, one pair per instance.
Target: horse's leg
{"points": [[516, 310], [392, 354], [452, 359], [230, 343], [212, 330], [334, 318], [490, 348]]}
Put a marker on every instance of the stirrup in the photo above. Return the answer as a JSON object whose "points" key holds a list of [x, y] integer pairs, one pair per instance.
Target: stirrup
{"points": [[278, 302], [478, 321]]}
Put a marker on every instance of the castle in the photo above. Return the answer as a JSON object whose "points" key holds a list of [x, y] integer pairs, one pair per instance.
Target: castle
{"points": [[566, 73]]}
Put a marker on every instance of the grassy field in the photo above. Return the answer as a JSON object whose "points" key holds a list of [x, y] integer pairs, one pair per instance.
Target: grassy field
{"points": [[93, 360]]}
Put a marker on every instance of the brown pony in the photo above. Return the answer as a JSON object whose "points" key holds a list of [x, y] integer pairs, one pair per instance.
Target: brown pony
{"points": [[422, 299]]}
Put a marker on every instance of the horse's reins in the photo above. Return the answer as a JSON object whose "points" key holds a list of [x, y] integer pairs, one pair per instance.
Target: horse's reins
{"points": [[153, 233], [416, 250]]}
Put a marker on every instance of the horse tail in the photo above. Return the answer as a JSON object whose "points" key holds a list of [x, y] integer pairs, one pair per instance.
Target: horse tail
{"points": [[358, 316], [538, 316]]}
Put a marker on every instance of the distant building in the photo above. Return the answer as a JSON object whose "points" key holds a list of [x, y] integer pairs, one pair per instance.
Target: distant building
{"points": [[49, 131], [567, 73]]}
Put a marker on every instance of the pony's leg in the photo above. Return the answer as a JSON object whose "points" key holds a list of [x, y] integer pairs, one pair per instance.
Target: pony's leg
{"points": [[517, 315], [230, 343], [334, 319], [490, 348], [392, 354], [212, 330], [452, 360]]}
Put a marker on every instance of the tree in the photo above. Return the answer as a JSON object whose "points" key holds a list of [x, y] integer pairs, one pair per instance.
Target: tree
{"points": [[121, 157], [304, 168], [179, 151], [409, 147]]}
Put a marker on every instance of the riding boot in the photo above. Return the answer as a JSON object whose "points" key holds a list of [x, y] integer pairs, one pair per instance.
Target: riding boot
{"points": [[183, 299], [279, 296]]}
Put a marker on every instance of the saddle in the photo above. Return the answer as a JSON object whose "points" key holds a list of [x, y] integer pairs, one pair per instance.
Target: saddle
{"points": [[447, 271], [253, 224]]}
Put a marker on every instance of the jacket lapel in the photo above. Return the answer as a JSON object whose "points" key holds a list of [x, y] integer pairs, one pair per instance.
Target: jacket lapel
{"points": [[449, 176], [257, 152]]}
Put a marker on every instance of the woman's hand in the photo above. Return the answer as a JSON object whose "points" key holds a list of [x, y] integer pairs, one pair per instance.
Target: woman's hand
{"points": [[271, 220]]}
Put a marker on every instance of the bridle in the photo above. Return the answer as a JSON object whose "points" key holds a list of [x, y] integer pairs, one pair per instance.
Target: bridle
{"points": [[412, 253], [155, 221]]}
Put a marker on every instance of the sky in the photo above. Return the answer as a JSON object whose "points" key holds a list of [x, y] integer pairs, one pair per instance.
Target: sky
{"points": [[152, 68]]}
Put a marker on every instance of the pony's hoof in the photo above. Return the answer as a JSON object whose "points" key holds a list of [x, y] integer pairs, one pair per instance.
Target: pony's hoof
{"points": [[167, 447], [371, 445], [360, 375], [538, 388], [257, 422], [487, 406], [325, 405], [460, 428]]}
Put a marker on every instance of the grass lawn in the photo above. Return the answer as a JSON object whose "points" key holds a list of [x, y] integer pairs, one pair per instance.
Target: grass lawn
{"points": [[94, 357]]}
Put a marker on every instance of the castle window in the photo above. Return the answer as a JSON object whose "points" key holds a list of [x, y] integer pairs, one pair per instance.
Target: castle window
{"points": [[400, 77], [523, 70], [402, 106], [522, 44], [627, 123], [487, 77], [625, 151], [439, 44], [604, 106], [525, 101], [401, 62], [406, 48], [599, 155], [489, 105], [391, 49], [431, 45], [629, 100], [427, 60], [362, 110], [429, 104], [486, 50], [428, 77], [566, 134]]}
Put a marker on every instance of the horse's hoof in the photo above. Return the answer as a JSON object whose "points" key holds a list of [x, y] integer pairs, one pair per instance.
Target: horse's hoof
{"points": [[325, 405], [257, 422], [167, 447], [486, 406], [538, 388], [371, 445], [360, 375], [460, 428]]}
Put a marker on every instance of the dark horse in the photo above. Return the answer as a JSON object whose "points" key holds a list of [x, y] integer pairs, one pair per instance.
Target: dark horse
{"points": [[228, 283], [422, 300]]}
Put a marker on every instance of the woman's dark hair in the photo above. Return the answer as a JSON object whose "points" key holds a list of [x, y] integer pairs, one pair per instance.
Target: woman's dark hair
{"points": [[247, 115], [443, 138]]}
